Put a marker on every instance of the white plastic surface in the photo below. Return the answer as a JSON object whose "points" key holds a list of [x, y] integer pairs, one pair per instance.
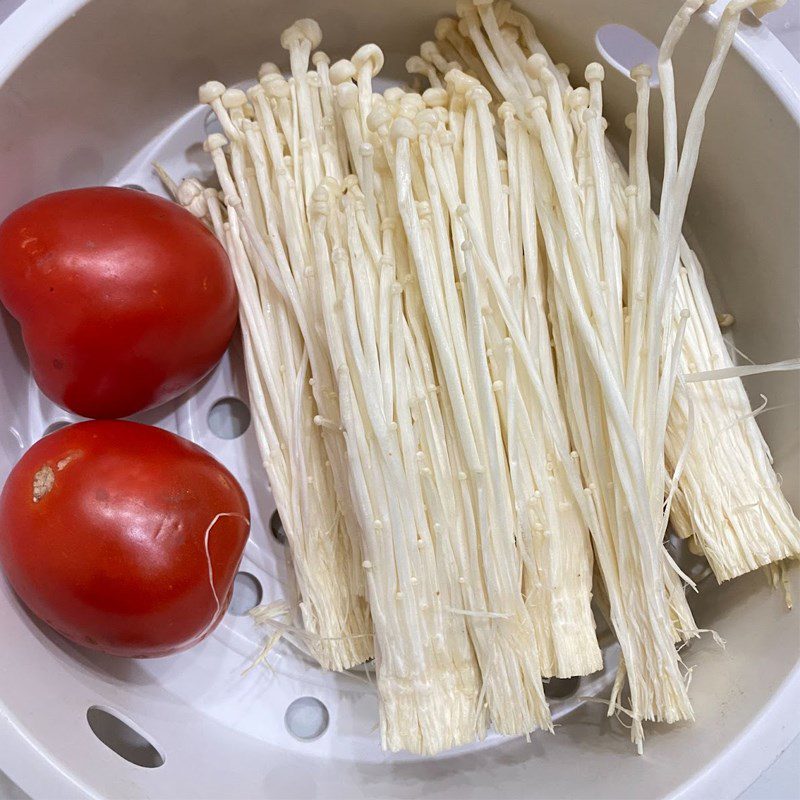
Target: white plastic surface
{"points": [[110, 90]]}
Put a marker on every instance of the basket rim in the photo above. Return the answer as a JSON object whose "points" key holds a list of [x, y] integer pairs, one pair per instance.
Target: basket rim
{"points": [[775, 726]]}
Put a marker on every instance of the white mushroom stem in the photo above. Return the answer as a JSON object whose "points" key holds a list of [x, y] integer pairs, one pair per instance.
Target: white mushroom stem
{"points": [[211, 94], [433, 55], [447, 34], [333, 131], [347, 98], [506, 672], [282, 265], [300, 39], [336, 626], [368, 61], [417, 65], [558, 150], [728, 502], [478, 362]]}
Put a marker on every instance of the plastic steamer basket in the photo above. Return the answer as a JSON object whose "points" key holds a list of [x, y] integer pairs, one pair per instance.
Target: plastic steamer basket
{"points": [[92, 93]]}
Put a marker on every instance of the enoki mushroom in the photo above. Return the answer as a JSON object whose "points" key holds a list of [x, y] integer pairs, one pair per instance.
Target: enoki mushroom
{"points": [[478, 363]]}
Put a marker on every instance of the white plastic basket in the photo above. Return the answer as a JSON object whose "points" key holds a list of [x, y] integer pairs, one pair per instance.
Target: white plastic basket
{"points": [[91, 93]]}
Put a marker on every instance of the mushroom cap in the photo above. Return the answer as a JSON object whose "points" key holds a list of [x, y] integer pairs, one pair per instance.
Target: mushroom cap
{"points": [[368, 53], [394, 94], [413, 100], [320, 58], [501, 9], [464, 7], [188, 189], [320, 194], [435, 97], [418, 65], [275, 86], [214, 142], [320, 203], [268, 68], [426, 120], [519, 20], [403, 128], [506, 111], [547, 78], [343, 70], [190, 196], [535, 64], [332, 185], [347, 95], [378, 117], [430, 51], [234, 98], [509, 33], [630, 120], [479, 94], [210, 91], [578, 97], [535, 103], [594, 72], [460, 82], [725, 320], [254, 91], [444, 27], [300, 30], [641, 71], [445, 138], [349, 183]]}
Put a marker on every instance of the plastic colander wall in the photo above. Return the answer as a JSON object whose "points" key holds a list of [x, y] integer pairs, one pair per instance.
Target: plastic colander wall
{"points": [[89, 94]]}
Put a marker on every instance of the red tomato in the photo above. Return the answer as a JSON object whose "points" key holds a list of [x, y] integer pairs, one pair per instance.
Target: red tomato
{"points": [[123, 537], [125, 299]]}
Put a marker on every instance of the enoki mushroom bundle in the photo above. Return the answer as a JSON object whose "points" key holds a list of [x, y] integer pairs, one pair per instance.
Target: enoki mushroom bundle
{"points": [[466, 338], [728, 499]]}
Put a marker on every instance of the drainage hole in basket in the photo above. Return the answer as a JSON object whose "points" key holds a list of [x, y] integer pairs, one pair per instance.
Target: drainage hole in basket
{"points": [[625, 48], [121, 737], [247, 594], [306, 718], [559, 688], [56, 426], [276, 526], [229, 418]]}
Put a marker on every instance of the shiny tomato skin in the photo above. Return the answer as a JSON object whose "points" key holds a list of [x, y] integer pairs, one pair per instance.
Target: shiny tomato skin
{"points": [[112, 552], [125, 299]]}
